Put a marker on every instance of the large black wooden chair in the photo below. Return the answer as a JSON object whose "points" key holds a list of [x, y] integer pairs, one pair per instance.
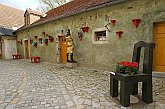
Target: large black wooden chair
{"points": [[129, 84]]}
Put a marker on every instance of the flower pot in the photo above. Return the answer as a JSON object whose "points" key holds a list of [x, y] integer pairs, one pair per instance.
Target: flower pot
{"points": [[35, 45], [119, 33], [51, 39], [35, 37], [136, 22], [43, 33], [46, 43], [113, 22], [85, 29]]}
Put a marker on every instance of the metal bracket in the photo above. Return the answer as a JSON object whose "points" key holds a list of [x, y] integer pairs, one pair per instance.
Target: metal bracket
{"points": [[107, 27]]}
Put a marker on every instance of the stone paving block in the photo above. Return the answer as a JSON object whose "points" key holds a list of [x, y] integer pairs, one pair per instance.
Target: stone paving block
{"points": [[57, 87], [69, 103], [71, 65]]}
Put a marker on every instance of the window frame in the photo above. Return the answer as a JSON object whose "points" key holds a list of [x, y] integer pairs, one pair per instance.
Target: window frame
{"points": [[39, 41], [94, 41]]}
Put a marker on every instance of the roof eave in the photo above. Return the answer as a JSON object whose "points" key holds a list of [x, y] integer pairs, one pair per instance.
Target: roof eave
{"points": [[89, 9]]}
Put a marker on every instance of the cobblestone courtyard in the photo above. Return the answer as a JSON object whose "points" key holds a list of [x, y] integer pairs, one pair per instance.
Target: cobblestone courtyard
{"points": [[24, 85]]}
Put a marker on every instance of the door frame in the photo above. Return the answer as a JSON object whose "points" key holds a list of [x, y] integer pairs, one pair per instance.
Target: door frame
{"points": [[60, 57], [155, 25]]}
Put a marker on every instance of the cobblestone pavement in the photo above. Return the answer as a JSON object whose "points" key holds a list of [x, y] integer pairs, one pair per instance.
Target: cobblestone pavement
{"points": [[25, 85]]}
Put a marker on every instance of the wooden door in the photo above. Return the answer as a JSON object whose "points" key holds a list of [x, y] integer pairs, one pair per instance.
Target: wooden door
{"points": [[26, 49], [63, 49], [159, 51]]}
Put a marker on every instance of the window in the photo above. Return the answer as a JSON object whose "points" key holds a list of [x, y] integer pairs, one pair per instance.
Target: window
{"points": [[40, 41], [100, 36]]}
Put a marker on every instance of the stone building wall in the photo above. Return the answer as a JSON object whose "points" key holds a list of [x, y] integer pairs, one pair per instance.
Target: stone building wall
{"points": [[104, 56]]}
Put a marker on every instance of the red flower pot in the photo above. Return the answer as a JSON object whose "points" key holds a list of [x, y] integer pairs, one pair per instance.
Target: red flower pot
{"points": [[46, 43], [113, 22], [85, 29], [136, 22], [35, 45], [119, 33], [43, 33], [35, 37], [51, 39]]}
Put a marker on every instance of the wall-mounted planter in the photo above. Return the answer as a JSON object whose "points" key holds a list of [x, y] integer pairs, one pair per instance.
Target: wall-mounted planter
{"points": [[35, 37], [119, 33], [46, 42], [51, 39], [47, 35], [113, 22], [136, 22], [34, 44], [85, 29], [43, 33]]}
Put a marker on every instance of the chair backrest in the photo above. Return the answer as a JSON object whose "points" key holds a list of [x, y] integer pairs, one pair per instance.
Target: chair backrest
{"points": [[148, 55]]}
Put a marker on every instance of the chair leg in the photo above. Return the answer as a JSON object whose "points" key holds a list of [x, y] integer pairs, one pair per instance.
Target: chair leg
{"points": [[147, 91], [113, 87], [134, 90], [125, 94]]}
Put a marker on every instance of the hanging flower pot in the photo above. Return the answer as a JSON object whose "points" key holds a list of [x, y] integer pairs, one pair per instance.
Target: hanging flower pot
{"points": [[43, 33], [35, 37], [46, 42], [85, 29], [136, 22], [34, 44], [119, 33], [47, 35], [51, 39], [113, 22]]}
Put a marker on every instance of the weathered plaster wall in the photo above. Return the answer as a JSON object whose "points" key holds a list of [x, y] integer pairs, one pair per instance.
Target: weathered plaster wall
{"points": [[102, 55]]}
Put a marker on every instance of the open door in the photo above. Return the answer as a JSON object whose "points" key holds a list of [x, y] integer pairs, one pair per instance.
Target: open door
{"points": [[63, 49]]}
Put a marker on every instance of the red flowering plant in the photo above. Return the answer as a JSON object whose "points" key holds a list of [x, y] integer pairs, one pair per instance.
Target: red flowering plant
{"points": [[127, 68]]}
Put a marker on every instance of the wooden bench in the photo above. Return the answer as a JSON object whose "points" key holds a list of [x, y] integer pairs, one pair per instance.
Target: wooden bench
{"points": [[16, 56], [35, 59]]}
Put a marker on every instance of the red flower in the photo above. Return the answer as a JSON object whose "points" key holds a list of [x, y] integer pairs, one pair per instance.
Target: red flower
{"points": [[127, 64], [135, 64]]}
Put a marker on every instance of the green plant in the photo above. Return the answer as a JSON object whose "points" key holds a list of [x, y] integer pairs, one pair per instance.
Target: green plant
{"points": [[127, 68], [34, 43], [45, 40]]}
